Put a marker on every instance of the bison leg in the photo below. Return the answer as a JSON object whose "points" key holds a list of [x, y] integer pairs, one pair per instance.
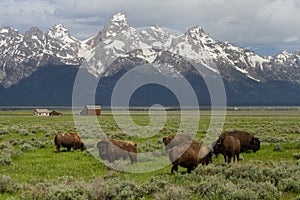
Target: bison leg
{"points": [[190, 169], [111, 158], [57, 148], [174, 168], [225, 158], [133, 157], [207, 161], [68, 148], [232, 159], [238, 157]]}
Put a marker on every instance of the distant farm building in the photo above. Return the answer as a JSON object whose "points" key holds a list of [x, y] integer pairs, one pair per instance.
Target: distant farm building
{"points": [[41, 112], [54, 113], [91, 111]]}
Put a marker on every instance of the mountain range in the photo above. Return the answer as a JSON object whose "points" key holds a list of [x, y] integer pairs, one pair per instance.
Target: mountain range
{"points": [[38, 68]]}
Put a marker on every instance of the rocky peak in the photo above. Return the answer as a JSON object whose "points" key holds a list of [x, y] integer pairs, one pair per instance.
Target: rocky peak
{"points": [[59, 32], [154, 35], [60, 39], [196, 32], [118, 24], [34, 33], [9, 35], [115, 26], [290, 59], [283, 56], [8, 31], [119, 19]]}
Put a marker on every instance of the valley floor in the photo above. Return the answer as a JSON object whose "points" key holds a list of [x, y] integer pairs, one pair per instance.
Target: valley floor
{"points": [[31, 169]]}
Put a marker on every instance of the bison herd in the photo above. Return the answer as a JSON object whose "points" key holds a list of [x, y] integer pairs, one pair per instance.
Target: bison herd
{"points": [[181, 148]]}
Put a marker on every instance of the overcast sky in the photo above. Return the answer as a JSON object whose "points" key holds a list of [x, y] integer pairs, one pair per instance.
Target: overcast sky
{"points": [[265, 26]]}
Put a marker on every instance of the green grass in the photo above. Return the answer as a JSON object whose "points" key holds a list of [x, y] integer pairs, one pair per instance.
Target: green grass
{"points": [[30, 163], [46, 164]]}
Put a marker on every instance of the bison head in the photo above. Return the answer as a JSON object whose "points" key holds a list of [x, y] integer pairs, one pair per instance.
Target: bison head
{"points": [[255, 144], [167, 140], [79, 145], [102, 146], [217, 147], [82, 146]]}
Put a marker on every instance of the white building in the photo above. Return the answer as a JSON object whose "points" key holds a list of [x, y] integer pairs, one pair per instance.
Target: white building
{"points": [[41, 112]]}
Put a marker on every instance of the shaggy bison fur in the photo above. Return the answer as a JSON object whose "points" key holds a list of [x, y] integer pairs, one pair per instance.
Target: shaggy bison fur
{"points": [[186, 153], [68, 140], [229, 147], [111, 150]]}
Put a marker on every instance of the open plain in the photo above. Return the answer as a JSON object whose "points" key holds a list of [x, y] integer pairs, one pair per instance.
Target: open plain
{"points": [[30, 168]]}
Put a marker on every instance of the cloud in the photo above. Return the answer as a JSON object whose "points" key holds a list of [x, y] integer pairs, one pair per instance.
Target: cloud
{"points": [[226, 21], [252, 22], [291, 39]]}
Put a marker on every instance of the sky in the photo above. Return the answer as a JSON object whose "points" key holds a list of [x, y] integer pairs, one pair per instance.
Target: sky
{"points": [[267, 27]]}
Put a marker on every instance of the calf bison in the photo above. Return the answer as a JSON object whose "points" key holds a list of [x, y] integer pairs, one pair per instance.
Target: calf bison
{"points": [[186, 153], [68, 140], [229, 147], [247, 141], [111, 150]]}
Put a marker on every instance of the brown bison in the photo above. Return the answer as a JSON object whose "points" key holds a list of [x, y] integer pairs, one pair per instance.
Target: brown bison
{"points": [[68, 140], [186, 153], [229, 147], [111, 150], [247, 141]]}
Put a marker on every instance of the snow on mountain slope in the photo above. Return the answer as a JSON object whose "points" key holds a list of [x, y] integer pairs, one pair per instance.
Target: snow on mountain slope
{"points": [[21, 55], [62, 45]]}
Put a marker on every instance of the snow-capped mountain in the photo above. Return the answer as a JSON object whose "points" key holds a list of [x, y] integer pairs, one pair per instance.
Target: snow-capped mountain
{"points": [[118, 39], [120, 47], [21, 55]]}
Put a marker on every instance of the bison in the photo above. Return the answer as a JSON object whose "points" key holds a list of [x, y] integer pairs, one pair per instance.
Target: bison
{"points": [[111, 150], [229, 147], [247, 141], [68, 140], [186, 153]]}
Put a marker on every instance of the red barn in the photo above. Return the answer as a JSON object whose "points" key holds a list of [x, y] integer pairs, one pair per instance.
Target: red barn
{"points": [[93, 110]]}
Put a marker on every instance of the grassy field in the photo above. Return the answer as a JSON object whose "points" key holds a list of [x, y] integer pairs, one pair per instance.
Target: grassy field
{"points": [[31, 169]]}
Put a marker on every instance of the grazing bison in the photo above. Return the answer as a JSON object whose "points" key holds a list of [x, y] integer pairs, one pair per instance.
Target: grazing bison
{"points": [[68, 140], [111, 150], [186, 153], [247, 141], [229, 147]]}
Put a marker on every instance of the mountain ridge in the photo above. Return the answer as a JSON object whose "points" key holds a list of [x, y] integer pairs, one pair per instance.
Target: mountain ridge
{"points": [[118, 45]]}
